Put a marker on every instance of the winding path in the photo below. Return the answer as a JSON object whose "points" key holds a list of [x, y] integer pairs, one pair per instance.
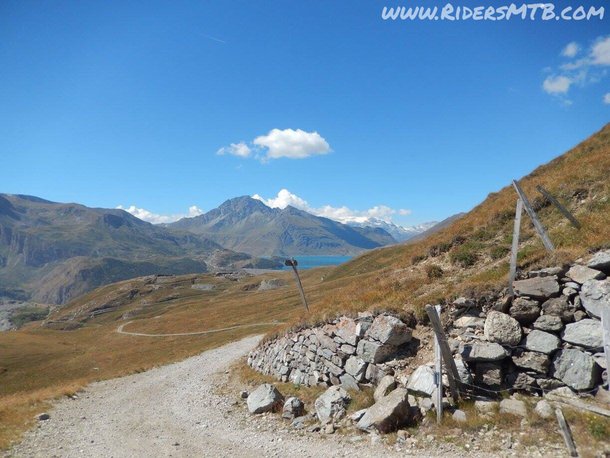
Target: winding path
{"points": [[121, 331]]}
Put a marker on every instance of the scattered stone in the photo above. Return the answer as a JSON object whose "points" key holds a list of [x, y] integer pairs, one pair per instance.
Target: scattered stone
{"points": [[483, 351], [271, 283], [594, 295], [579, 315], [561, 307], [544, 409], [576, 369], [582, 274], [264, 399], [469, 322], [44, 417], [525, 310], [502, 328], [513, 407], [388, 413], [547, 272], [463, 302], [537, 362], [299, 422], [542, 342], [385, 387], [374, 373], [538, 287], [486, 407], [549, 323], [548, 384], [243, 395], [563, 391], [374, 352], [332, 404], [389, 330], [349, 382], [459, 416], [346, 329], [422, 381], [585, 333], [329, 429], [600, 261], [569, 292], [357, 415], [293, 408], [489, 374], [463, 372], [356, 368], [521, 381]]}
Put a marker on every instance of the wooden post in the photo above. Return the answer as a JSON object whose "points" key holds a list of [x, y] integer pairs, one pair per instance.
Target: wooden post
{"points": [[606, 335], [452, 373], [438, 373], [293, 263], [565, 432], [560, 207], [515, 248], [532, 214]]}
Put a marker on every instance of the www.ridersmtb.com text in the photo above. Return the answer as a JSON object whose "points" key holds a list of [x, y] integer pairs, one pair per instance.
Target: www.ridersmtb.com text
{"points": [[529, 11]]}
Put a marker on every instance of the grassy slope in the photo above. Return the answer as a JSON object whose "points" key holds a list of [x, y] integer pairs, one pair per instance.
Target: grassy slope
{"points": [[38, 364]]}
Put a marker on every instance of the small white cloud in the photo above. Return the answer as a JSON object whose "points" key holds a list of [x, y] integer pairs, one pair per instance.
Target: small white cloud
{"points": [[404, 212], [607, 98], [600, 51], [570, 50], [292, 144], [557, 84], [235, 149], [156, 218]]}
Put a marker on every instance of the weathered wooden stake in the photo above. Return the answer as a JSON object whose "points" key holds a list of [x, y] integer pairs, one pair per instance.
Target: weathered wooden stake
{"points": [[293, 263], [560, 207], [565, 432], [606, 335], [438, 374], [515, 248], [452, 373], [532, 214]]}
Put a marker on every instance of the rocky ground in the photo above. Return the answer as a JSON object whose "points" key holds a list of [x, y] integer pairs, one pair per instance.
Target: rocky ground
{"points": [[176, 410]]}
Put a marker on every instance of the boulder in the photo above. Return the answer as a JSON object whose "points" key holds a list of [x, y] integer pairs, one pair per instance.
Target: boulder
{"points": [[357, 415], [332, 405], [356, 368], [582, 274], [489, 374], [348, 382], [293, 408], [561, 307], [375, 373], [422, 381], [483, 351], [547, 272], [544, 409], [594, 295], [44, 417], [525, 310], [502, 328], [269, 284], [521, 381], [463, 302], [389, 330], [542, 342], [386, 386], [585, 333], [538, 287], [463, 372], [469, 322], [600, 261], [576, 369], [374, 352], [537, 362], [486, 407], [513, 407], [549, 323], [388, 413], [459, 416], [346, 329], [264, 399]]}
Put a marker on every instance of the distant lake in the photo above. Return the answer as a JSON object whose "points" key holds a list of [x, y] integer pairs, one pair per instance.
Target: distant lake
{"points": [[309, 262]]}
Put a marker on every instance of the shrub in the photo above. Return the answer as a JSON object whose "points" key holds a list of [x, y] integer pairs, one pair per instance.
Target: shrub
{"points": [[499, 251], [457, 240], [417, 259], [438, 249], [464, 255], [434, 271]]}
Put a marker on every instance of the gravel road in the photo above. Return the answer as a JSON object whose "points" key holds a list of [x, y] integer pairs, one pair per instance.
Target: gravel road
{"points": [[175, 410]]}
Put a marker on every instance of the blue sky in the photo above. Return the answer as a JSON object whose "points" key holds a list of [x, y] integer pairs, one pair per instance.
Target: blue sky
{"points": [[127, 103]]}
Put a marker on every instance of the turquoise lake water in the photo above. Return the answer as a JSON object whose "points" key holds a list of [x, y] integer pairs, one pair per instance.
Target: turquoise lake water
{"points": [[309, 262]]}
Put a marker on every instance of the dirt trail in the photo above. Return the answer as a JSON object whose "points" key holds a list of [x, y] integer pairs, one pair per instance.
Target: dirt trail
{"points": [[175, 410], [197, 333]]}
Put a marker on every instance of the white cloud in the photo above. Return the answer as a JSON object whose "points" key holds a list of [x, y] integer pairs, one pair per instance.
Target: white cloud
{"points": [[155, 218], [607, 98], [570, 50], [600, 51], [235, 149], [341, 214], [557, 84], [288, 143]]}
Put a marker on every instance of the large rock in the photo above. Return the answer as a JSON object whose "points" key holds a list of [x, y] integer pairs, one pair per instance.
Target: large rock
{"points": [[332, 405], [349, 382], [489, 374], [375, 373], [600, 261], [525, 310], [502, 328], [537, 362], [521, 381], [463, 372], [537, 288], [389, 330], [346, 329], [469, 321], [293, 408], [544, 409], [422, 381], [586, 333], [513, 407], [264, 399], [542, 342], [595, 294], [386, 386], [561, 307], [374, 352], [483, 351], [387, 414], [355, 367], [269, 284], [549, 323], [582, 274], [576, 369]]}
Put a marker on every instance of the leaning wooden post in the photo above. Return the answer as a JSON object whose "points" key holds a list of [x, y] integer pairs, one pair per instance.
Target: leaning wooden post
{"points": [[565, 432], [439, 374], [606, 335], [515, 248], [293, 263], [452, 373], [560, 207], [532, 214]]}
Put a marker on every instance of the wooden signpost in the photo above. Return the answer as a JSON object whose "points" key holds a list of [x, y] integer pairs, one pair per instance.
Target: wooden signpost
{"points": [[447, 356], [532, 214], [293, 263], [560, 207]]}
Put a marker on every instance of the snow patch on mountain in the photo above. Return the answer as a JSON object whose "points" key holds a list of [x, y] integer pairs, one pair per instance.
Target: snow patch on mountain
{"points": [[400, 233]]}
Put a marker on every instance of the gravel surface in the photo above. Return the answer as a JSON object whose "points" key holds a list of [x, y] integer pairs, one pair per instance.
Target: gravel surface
{"points": [[175, 410]]}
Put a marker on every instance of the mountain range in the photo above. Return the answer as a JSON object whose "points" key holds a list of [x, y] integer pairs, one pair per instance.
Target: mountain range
{"points": [[400, 233]]}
